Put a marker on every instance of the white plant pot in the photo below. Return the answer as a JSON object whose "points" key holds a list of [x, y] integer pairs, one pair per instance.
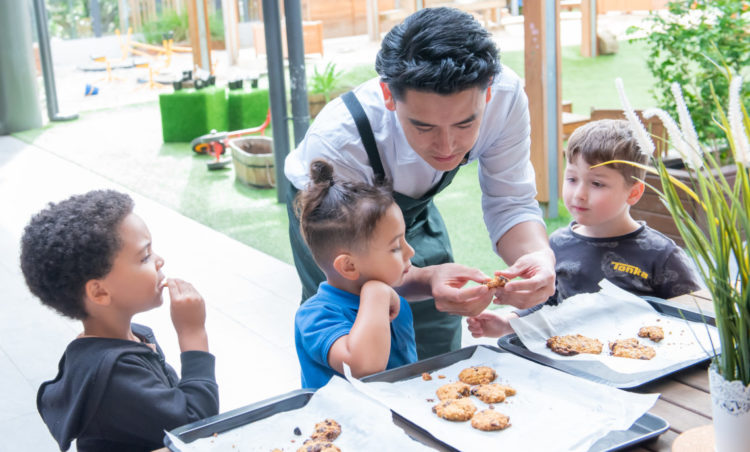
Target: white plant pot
{"points": [[730, 402]]}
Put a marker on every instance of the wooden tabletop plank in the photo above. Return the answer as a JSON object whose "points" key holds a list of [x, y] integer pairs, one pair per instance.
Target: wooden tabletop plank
{"points": [[679, 418], [693, 302], [696, 377], [682, 395]]}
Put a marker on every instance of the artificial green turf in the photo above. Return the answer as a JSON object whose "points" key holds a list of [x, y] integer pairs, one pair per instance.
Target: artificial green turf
{"points": [[190, 113], [125, 145], [589, 82], [247, 108]]}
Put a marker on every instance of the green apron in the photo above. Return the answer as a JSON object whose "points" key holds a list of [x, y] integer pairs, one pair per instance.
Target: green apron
{"points": [[436, 332]]}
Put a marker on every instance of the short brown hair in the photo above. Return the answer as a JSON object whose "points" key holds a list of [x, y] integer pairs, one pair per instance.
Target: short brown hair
{"points": [[605, 140], [338, 214]]}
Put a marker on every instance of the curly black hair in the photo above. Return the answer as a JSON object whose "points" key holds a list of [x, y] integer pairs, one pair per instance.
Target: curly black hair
{"points": [[440, 50], [69, 243]]}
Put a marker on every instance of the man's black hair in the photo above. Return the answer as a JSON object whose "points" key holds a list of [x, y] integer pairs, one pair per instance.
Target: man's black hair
{"points": [[69, 243], [440, 50]]}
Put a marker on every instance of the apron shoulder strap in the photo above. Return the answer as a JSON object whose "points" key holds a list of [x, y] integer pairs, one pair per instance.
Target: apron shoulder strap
{"points": [[365, 132]]}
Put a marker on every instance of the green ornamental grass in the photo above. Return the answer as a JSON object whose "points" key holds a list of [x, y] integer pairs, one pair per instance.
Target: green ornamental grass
{"points": [[722, 244]]}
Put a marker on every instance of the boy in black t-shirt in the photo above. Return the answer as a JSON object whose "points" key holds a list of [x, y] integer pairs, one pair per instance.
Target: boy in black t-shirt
{"points": [[603, 240], [90, 258]]}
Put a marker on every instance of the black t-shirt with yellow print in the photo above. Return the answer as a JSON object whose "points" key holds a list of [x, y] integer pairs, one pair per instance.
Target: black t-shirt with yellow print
{"points": [[643, 262]]}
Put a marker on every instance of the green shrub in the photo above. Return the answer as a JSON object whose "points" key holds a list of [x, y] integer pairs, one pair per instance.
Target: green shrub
{"points": [[686, 45], [325, 82], [153, 31]]}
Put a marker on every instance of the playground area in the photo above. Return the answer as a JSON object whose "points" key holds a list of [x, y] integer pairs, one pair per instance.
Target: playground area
{"points": [[177, 178], [136, 78]]}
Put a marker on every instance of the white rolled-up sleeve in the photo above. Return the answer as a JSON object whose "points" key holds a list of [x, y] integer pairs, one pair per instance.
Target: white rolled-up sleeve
{"points": [[506, 175]]}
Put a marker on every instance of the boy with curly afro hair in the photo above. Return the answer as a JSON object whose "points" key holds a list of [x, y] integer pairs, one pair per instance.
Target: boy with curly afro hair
{"points": [[90, 258]]}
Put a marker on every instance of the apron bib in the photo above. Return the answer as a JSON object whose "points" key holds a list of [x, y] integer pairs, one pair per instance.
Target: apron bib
{"points": [[436, 332]]}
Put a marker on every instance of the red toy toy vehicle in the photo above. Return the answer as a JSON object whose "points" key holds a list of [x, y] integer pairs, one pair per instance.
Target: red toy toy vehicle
{"points": [[215, 143]]}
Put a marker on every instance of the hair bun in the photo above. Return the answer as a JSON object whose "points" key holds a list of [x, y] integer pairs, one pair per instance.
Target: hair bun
{"points": [[321, 172]]}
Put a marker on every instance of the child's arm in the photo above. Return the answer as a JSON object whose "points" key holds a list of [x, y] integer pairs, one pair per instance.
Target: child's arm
{"points": [[368, 345], [488, 324], [138, 404], [188, 315]]}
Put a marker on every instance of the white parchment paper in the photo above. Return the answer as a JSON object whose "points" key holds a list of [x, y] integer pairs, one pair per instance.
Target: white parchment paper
{"points": [[612, 314], [366, 425], [551, 410]]}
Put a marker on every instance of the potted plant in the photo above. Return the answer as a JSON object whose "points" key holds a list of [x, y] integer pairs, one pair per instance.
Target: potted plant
{"points": [[683, 44], [718, 247], [322, 85]]}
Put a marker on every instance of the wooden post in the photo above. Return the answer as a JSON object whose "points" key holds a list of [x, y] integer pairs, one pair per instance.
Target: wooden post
{"points": [[588, 28], [231, 36], [542, 68], [373, 25], [200, 35], [122, 10]]}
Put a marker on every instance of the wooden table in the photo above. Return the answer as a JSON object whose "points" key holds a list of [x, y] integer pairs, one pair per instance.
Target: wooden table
{"points": [[685, 401]]}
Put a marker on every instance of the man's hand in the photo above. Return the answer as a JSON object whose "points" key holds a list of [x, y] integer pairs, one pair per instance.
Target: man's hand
{"points": [[447, 283], [188, 315], [538, 272]]}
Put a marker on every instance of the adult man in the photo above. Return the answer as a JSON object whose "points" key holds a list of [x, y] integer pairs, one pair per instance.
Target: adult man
{"points": [[441, 100]]}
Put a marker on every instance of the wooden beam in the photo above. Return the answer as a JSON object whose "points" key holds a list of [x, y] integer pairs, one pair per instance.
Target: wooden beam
{"points": [[231, 36], [588, 28], [200, 34], [542, 69]]}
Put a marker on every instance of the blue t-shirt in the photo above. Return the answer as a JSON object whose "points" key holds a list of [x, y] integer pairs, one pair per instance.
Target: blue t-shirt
{"points": [[330, 314]]}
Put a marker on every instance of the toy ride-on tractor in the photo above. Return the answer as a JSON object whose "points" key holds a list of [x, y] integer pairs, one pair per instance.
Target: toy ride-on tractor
{"points": [[215, 143]]}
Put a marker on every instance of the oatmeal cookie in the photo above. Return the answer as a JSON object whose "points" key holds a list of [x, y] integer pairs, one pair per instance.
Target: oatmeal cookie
{"points": [[318, 446], [490, 420], [655, 333], [490, 393], [455, 410], [573, 344], [631, 348], [455, 390], [327, 430], [477, 375], [497, 281], [509, 391]]}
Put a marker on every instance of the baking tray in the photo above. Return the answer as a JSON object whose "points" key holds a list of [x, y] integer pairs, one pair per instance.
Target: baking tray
{"points": [[646, 427], [266, 408], [598, 372], [239, 417]]}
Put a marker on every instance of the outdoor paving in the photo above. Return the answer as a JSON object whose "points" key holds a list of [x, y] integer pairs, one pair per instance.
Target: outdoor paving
{"points": [[251, 297]]}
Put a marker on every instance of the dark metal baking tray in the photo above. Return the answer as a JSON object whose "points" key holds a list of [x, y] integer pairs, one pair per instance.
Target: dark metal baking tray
{"points": [[239, 417], [598, 372], [646, 427], [266, 408]]}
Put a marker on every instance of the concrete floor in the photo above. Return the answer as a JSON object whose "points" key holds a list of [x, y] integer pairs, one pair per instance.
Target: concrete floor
{"points": [[251, 298]]}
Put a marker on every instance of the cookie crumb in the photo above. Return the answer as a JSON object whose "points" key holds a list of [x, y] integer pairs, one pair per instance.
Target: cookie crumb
{"points": [[441, 376], [426, 376]]}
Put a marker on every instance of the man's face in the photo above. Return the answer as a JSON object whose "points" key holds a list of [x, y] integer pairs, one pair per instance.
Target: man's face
{"points": [[440, 128]]}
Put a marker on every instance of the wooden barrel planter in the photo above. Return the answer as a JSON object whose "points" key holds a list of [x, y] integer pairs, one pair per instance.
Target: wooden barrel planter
{"points": [[651, 209], [253, 161]]}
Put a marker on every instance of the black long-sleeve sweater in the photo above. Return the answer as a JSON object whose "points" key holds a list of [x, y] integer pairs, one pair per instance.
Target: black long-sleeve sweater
{"points": [[118, 395]]}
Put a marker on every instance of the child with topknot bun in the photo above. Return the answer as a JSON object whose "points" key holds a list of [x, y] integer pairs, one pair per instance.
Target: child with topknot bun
{"points": [[356, 234]]}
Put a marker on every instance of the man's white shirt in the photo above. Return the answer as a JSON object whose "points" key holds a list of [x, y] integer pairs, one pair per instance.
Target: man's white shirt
{"points": [[506, 175]]}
